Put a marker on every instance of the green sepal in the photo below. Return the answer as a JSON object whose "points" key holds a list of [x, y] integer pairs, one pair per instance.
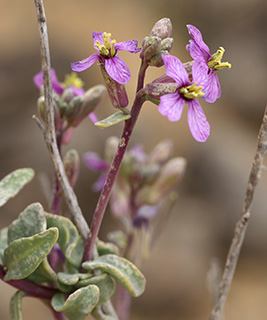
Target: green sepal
{"points": [[24, 255], [122, 270], [3, 243], [15, 306], [78, 304], [113, 119], [105, 284], [11, 184], [30, 222], [69, 239]]}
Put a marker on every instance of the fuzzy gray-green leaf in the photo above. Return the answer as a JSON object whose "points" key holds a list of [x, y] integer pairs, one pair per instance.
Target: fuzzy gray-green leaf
{"points": [[11, 184], [115, 118], [69, 239], [3, 243], [30, 222], [79, 304], [24, 255], [122, 270], [15, 306]]}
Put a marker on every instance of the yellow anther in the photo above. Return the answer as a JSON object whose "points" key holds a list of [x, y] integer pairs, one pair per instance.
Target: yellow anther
{"points": [[73, 79], [191, 92], [102, 49], [215, 62], [106, 38], [112, 51]]}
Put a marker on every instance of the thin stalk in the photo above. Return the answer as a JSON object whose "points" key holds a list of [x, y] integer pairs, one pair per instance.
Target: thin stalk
{"points": [[242, 224], [50, 136], [113, 171]]}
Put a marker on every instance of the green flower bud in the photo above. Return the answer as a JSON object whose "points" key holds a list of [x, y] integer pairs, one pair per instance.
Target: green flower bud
{"points": [[150, 47], [41, 107], [72, 166], [166, 44], [161, 153], [67, 95], [156, 60], [73, 109]]}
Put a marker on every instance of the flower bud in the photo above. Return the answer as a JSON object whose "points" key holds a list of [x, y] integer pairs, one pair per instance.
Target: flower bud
{"points": [[156, 60], [41, 107], [116, 91], [166, 44], [111, 147], [161, 153], [72, 166], [150, 47], [67, 95], [155, 90], [162, 28], [73, 109]]}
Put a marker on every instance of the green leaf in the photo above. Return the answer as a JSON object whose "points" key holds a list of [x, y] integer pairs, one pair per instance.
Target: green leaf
{"points": [[122, 270], [99, 314], [30, 222], [105, 284], [24, 255], [44, 273], [11, 184], [69, 239], [15, 306], [106, 248], [79, 304], [113, 119], [3, 243]]}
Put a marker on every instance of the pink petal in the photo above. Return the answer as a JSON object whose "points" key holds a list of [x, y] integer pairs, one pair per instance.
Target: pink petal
{"points": [[200, 72], [171, 105], [176, 70], [98, 36], [212, 89], [130, 46], [196, 52], [197, 36], [84, 64], [118, 70], [197, 121], [94, 162]]}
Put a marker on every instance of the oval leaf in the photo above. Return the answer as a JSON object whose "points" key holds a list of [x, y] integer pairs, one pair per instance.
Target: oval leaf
{"points": [[113, 119], [11, 184], [69, 239], [122, 270], [24, 255], [15, 306], [99, 314], [105, 284], [30, 222], [79, 303]]}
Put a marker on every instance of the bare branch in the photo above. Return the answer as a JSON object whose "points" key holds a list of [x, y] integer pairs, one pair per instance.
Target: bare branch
{"points": [[50, 136], [242, 224]]}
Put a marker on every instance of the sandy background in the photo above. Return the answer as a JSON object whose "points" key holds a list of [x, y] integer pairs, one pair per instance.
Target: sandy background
{"points": [[211, 195]]}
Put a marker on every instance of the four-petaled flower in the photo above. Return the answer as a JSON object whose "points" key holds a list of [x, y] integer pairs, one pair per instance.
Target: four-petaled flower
{"points": [[107, 54], [171, 105], [200, 52]]}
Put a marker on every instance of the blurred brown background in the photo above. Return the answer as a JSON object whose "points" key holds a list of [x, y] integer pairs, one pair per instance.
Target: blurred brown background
{"points": [[211, 195]]}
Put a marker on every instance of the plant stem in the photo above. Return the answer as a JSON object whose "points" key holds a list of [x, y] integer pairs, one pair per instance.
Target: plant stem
{"points": [[113, 171], [50, 136], [124, 300], [31, 289], [242, 224]]}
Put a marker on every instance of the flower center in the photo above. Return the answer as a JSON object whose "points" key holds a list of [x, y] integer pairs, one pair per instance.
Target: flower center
{"points": [[107, 49], [215, 61], [73, 79], [191, 92]]}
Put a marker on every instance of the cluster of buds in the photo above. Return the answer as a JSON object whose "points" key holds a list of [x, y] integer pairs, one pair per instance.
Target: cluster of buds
{"points": [[145, 185], [71, 103], [157, 43]]}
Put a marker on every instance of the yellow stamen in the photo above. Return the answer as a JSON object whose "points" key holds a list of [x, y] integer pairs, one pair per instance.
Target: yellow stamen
{"points": [[191, 92], [112, 51], [73, 79], [106, 38], [102, 49], [215, 62]]}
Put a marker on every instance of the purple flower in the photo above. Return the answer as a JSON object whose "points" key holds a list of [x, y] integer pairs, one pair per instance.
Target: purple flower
{"points": [[107, 54], [171, 105], [200, 52], [57, 86]]}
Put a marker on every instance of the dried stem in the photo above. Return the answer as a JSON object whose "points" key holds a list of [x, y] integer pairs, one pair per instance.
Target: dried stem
{"points": [[50, 136], [242, 224]]}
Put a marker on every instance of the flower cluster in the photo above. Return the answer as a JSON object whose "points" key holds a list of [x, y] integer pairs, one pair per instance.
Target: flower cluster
{"points": [[143, 184], [72, 103]]}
